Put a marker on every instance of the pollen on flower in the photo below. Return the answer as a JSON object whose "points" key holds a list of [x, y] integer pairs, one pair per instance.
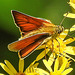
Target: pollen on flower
{"points": [[59, 67], [53, 73], [58, 46], [20, 73]]}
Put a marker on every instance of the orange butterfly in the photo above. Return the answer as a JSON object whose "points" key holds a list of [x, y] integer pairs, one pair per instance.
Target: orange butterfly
{"points": [[33, 32]]}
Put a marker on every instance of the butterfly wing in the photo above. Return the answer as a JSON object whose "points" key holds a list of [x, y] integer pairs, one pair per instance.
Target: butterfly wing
{"points": [[27, 23], [27, 45]]}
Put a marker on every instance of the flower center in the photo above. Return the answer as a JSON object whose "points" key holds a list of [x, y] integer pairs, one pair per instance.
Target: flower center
{"points": [[20, 73], [57, 46], [55, 73]]}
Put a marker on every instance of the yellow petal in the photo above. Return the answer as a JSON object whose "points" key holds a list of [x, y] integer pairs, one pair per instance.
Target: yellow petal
{"points": [[9, 65], [56, 65], [51, 59], [35, 65], [70, 15], [70, 40], [41, 71], [72, 4], [47, 65], [31, 66], [69, 57], [32, 73], [42, 54], [72, 28], [70, 50], [63, 65], [21, 65], [41, 47], [6, 69], [67, 71], [73, 1], [64, 34]]}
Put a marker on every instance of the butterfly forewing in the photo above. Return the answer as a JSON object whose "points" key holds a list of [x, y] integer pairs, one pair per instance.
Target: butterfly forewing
{"points": [[27, 23]]}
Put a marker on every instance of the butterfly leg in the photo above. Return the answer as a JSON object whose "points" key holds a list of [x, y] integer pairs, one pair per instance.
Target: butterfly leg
{"points": [[45, 50], [53, 48], [52, 45], [70, 36], [58, 46]]}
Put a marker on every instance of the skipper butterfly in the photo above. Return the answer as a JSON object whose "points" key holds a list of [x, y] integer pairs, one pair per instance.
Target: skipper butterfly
{"points": [[33, 33]]}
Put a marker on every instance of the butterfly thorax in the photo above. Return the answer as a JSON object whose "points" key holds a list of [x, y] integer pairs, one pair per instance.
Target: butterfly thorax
{"points": [[58, 30], [53, 31]]}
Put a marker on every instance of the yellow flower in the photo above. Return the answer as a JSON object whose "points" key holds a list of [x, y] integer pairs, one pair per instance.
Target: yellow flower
{"points": [[72, 4], [58, 69], [58, 47], [72, 1], [70, 15], [72, 28], [8, 67]]}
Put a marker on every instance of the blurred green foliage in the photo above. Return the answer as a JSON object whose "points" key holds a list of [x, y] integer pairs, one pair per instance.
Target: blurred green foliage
{"points": [[48, 9]]}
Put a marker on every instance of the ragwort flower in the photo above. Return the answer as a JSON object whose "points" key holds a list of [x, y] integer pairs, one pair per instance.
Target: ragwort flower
{"points": [[72, 4], [8, 67], [58, 69]]}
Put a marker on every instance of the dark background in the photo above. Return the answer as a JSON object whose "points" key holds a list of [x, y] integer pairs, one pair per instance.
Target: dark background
{"points": [[48, 9]]}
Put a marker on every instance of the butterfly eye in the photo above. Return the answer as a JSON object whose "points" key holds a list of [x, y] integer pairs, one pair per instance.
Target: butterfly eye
{"points": [[60, 29]]}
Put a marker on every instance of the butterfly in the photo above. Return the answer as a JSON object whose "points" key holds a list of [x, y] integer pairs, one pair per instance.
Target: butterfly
{"points": [[34, 32]]}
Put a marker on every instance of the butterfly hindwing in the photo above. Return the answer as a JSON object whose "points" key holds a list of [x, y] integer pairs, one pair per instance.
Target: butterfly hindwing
{"points": [[27, 45]]}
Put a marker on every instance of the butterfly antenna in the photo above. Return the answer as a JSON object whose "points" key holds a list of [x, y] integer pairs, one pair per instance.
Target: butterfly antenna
{"points": [[63, 19]]}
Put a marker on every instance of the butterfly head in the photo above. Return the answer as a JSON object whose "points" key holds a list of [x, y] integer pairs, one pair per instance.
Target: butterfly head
{"points": [[59, 29]]}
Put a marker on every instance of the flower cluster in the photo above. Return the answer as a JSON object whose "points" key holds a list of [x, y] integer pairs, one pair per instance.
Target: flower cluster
{"points": [[60, 67], [8, 67], [58, 51], [72, 4]]}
